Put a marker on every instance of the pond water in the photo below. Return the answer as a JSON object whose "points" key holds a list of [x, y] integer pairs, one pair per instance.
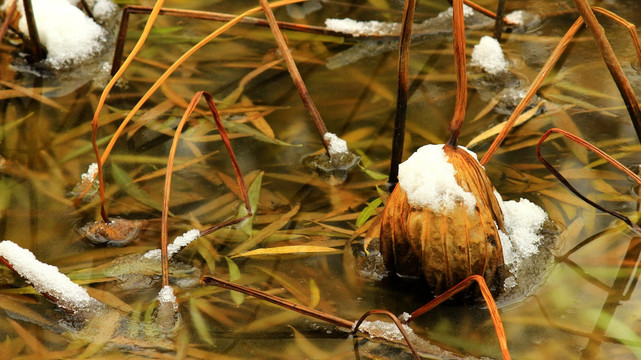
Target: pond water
{"points": [[577, 300]]}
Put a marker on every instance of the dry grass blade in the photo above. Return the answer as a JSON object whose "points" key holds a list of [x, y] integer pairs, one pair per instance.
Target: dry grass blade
{"points": [[536, 83], [396, 321], [170, 165], [601, 154], [489, 300]]}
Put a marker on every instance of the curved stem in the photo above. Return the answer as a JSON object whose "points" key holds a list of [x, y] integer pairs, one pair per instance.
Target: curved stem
{"points": [[458, 27], [396, 321]]}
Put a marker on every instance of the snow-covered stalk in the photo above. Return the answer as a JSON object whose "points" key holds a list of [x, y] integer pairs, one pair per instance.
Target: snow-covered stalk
{"points": [[46, 279]]}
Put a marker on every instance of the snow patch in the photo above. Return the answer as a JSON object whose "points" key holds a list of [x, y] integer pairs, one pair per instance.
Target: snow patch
{"points": [[90, 175], [175, 247], [65, 31], [516, 17], [467, 12], [523, 220], [489, 56], [362, 28], [336, 145], [428, 179], [384, 330], [46, 279], [166, 295]]}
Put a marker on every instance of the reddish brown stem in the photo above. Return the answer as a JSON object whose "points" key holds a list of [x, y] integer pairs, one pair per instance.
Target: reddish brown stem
{"points": [[632, 30], [302, 309], [10, 14], [612, 63], [489, 300], [601, 154], [536, 84], [396, 321], [295, 74], [458, 30], [164, 258], [101, 183]]}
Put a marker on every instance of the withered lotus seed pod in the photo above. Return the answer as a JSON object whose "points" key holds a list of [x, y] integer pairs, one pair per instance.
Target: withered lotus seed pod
{"points": [[442, 220]]}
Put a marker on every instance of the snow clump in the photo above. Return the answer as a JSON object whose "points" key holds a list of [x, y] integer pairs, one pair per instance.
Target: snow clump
{"points": [[516, 17], [166, 295], [173, 248], [428, 179], [65, 31], [46, 279], [336, 145], [467, 12], [489, 56], [362, 28]]}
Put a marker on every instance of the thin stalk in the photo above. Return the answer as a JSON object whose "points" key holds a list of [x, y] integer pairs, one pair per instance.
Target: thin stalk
{"points": [[10, 14], [458, 31], [36, 48], [85, 6], [205, 15], [489, 300], [536, 84], [612, 63], [602, 155], [498, 23], [301, 309], [398, 138], [164, 258], [396, 321], [295, 74]]}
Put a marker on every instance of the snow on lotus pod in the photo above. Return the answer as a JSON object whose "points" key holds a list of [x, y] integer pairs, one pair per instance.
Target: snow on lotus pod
{"points": [[440, 222]]}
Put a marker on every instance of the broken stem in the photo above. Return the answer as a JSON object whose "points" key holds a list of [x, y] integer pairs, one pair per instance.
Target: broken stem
{"points": [[458, 31], [601, 154], [536, 84], [398, 138], [489, 300], [295, 74], [498, 22], [612, 63], [36, 48]]}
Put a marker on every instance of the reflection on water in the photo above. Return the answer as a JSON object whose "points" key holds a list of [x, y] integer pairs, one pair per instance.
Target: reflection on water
{"points": [[585, 305]]}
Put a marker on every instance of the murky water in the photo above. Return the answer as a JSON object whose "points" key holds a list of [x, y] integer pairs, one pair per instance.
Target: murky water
{"points": [[578, 302]]}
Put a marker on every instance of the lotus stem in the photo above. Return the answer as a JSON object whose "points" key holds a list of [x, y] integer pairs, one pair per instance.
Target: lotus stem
{"points": [[458, 27]]}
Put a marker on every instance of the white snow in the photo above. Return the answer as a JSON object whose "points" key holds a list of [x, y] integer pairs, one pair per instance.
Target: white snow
{"points": [[362, 28], [515, 17], [428, 179], [523, 219], [384, 330], [166, 295], [103, 9], [46, 279], [336, 145], [467, 11], [65, 31], [489, 56], [90, 175], [173, 248]]}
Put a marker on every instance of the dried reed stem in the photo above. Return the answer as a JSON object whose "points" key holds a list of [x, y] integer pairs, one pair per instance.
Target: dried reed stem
{"points": [[398, 137], [536, 83], [302, 309], [458, 31], [36, 48], [632, 30], [156, 85], [612, 63], [164, 258], [602, 155], [295, 74], [489, 300], [396, 321], [205, 15], [85, 6]]}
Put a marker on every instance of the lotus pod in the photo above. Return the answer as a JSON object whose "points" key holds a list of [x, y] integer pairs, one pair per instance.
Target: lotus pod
{"points": [[446, 246]]}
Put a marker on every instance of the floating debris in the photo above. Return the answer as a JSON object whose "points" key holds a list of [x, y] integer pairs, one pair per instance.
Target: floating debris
{"points": [[46, 279], [117, 232]]}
